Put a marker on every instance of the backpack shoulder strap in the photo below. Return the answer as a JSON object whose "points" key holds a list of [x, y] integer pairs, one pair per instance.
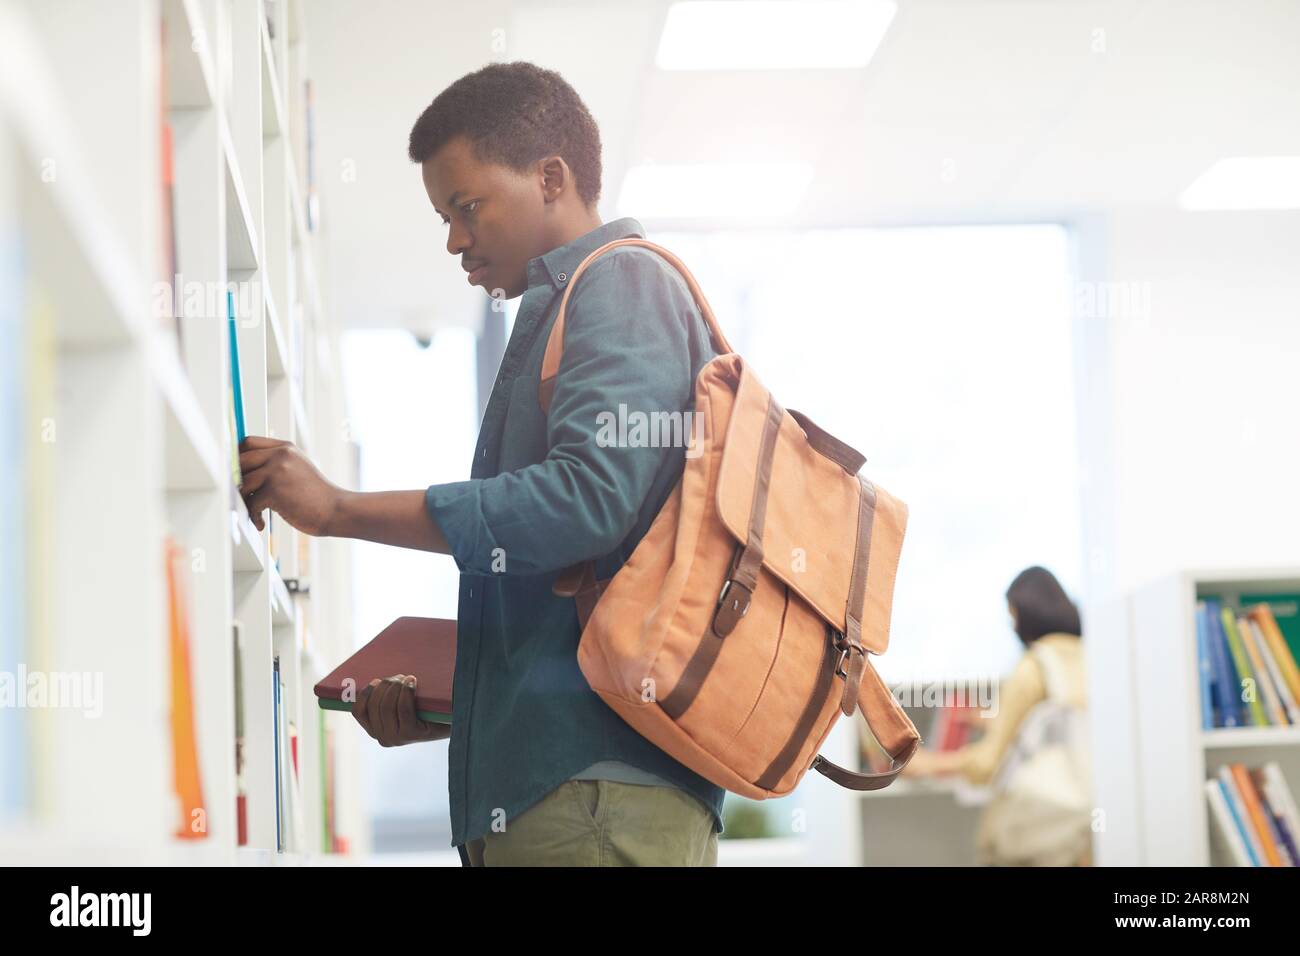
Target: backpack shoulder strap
{"points": [[555, 342]]}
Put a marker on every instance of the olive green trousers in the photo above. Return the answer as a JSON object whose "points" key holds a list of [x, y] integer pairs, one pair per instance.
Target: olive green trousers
{"points": [[603, 823]]}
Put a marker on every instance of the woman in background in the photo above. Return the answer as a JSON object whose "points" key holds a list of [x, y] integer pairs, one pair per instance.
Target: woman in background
{"points": [[1024, 748]]}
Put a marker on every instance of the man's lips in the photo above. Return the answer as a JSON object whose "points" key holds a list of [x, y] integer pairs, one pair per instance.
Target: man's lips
{"points": [[476, 273]]}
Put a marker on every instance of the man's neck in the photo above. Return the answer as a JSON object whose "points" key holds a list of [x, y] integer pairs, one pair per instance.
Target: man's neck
{"points": [[581, 224]]}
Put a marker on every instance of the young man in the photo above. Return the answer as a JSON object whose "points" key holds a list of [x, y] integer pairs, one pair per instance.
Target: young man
{"points": [[542, 771]]}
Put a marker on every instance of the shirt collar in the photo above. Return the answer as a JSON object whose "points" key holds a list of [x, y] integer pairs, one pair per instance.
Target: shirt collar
{"points": [[558, 265]]}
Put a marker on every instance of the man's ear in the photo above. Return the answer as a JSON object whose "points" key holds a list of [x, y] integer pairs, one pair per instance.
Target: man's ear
{"points": [[556, 177]]}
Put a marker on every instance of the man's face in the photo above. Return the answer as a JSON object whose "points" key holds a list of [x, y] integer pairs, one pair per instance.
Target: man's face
{"points": [[493, 216]]}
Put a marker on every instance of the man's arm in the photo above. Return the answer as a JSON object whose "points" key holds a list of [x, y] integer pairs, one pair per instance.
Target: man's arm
{"points": [[278, 476], [626, 343]]}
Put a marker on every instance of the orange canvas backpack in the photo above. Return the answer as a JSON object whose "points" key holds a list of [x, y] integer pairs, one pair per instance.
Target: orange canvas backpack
{"points": [[739, 629]]}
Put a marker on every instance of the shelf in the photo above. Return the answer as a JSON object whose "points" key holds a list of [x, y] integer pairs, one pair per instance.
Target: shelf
{"points": [[273, 119], [186, 58], [241, 236], [1251, 737], [250, 555], [282, 610], [302, 430], [148, 457], [297, 211], [192, 453], [277, 354], [97, 294]]}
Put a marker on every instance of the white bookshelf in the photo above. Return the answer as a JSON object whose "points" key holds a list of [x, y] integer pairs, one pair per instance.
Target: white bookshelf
{"points": [[1175, 755], [141, 447]]}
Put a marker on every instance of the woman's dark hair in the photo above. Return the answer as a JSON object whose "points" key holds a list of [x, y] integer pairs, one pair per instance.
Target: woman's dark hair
{"points": [[514, 114], [1042, 606]]}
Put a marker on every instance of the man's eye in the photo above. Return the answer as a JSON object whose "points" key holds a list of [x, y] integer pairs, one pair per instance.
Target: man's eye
{"points": [[470, 207]]}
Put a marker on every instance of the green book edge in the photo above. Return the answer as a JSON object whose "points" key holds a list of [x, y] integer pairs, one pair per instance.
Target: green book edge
{"points": [[432, 716]]}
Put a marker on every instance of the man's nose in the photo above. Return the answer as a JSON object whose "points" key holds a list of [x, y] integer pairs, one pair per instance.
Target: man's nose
{"points": [[458, 239]]}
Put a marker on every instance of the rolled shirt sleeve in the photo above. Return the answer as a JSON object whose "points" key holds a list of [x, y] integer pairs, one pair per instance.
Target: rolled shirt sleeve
{"points": [[626, 344]]}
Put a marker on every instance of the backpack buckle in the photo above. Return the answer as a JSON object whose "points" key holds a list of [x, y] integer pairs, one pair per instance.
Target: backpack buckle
{"points": [[844, 646], [729, 613]]}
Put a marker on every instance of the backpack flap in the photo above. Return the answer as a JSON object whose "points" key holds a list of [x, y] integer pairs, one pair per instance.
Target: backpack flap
{"points": [[789, 493]]}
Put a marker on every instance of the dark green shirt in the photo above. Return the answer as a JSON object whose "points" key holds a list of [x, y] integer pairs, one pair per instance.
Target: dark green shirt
{"points": [[546, 492]]}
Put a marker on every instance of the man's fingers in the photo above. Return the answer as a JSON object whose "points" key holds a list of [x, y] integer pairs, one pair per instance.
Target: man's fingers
{"points": [[359, 708], [375, 712], [252, 481], [409, 724], [256, 503], [260, 441], [257, 457], [387, 709]]}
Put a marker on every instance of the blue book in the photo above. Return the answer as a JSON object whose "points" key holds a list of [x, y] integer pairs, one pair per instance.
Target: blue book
{"points": [[1230, 799], [275, 731], [1203, 669], [235, 381], [1225, 671]]}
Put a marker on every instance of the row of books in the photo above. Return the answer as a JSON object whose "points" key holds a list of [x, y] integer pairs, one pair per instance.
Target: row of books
{"points": [[288, 786], [290, 819], [190, 808], [1254, 811], [1248, 671]]}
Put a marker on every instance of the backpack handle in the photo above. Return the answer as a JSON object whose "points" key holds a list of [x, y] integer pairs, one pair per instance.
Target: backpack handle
{"points": [[892, 728]]}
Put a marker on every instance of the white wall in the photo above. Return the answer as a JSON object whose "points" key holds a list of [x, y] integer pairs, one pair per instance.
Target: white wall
{"points": [[1189, 418]]}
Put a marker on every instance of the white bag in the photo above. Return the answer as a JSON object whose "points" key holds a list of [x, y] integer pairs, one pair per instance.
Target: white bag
{"points": [[1040, 812]]}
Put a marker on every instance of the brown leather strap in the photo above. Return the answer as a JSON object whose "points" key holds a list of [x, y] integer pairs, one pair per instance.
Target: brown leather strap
{"points": [[555, 341], [579, 582], [851, 643], [847, 457], [738, 589], [865, 781], [891, 727]]}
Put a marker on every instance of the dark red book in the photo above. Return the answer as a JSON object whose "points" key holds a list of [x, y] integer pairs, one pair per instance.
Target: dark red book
{"points": [[423, 646]]}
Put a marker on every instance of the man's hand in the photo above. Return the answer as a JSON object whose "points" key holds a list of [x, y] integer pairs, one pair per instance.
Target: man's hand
{"points": [[277, 475], [386, 711]]}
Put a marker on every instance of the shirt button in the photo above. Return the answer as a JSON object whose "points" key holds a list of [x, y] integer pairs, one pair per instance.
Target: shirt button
{"points": [[562, 276]]}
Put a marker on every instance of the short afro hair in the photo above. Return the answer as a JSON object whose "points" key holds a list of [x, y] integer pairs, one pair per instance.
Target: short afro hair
{"points": [[514, 114]]}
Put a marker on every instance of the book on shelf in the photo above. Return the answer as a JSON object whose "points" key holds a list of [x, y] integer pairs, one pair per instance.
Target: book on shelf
{"points": [[236, 390], [295, 789], [288, 795], [1246, 667], [272, 541], [278, 705], [187, 782], [236, 473], [1253, 812], [236, 380], [167, 160], [326, 767], [241, 781]]}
